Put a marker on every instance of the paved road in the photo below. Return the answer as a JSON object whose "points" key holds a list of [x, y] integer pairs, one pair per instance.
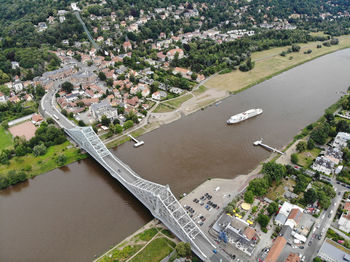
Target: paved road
{"points": [[323, 223]]}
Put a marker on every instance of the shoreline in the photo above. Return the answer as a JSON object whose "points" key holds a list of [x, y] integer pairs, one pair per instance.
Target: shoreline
{"points": [[180, 112]]}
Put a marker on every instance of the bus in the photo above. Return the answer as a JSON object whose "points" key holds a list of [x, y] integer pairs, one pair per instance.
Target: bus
{"points": [[55, 116]]}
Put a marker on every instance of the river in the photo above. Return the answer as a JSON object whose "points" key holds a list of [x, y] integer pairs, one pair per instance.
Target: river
{"points": [[79, 211]]}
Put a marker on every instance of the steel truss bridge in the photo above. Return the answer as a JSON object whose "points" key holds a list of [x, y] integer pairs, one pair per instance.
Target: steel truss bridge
{"points": [[157, 198]]}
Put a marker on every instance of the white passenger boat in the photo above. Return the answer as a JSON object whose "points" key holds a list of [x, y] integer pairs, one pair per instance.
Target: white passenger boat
{"points": [[244, 116]]}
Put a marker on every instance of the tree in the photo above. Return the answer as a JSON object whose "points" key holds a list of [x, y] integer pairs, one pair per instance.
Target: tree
{"points": [[310, 196], [39, 150], [64, 112], [102, 76], [294, 158], [320, 133], [263, 220], [295, 48], [16, 177], [301, 146], [183, 249], [272, 208], [249, 197], [258, 186], [4, 78], [81, 123], [274, 171], [128, 124], [118, 128], [310, 144], [4, 182], [61, 160], [67, 86], [105, 121]]}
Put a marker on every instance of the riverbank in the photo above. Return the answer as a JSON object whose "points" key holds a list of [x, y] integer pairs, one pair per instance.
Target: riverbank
{"points": [[268, 63]]}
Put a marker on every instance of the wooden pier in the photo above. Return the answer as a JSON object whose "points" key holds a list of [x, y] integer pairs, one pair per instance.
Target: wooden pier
{"points": [[260, 143], [137, 142]]}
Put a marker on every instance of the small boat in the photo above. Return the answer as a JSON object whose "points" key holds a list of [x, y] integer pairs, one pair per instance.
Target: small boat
{"points": [[244, 116]]}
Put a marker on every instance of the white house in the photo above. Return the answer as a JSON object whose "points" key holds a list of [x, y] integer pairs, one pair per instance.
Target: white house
{"points": [[340, 141], [159, 95], [3, 98]]}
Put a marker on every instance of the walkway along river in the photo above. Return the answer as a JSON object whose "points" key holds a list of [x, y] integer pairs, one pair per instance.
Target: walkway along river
{"points": [[74, 213]]}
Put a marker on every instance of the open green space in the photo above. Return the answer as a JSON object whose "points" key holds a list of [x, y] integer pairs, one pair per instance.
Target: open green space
{"points": [[155, 251], [306, 158], [121, 254], [176, 102], [269, 63], [34, 166], [200, 90], [5, 139], [163, 108], [277, 191]]}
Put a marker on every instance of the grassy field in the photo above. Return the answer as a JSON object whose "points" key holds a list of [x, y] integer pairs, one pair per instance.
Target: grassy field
{"points": [[163, 108], [173, 104], [5, 139], [155, 251], [278, 191], [37, 165], [176, 102], [269, 63], [200, 90], [306, 158]]}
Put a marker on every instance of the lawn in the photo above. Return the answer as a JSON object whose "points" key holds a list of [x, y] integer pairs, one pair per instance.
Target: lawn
{"points": [[176, 102], [121, 254], [163, 108], [37, 165], [306, 158], [155, 251], [278, 191], [200, 90], [5, 139], [269, 63]]}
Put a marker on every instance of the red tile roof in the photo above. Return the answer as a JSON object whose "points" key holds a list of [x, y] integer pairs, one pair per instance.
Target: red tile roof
{"points": [[276, 249]]}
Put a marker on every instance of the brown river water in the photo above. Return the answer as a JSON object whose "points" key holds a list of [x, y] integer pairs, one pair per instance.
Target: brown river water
{"points": [[79, 211]]}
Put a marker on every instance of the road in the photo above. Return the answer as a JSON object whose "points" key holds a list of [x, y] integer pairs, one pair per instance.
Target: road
{"points": [[323, 223]]}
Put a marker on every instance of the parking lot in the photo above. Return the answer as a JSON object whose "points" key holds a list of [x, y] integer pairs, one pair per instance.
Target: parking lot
{"points": [[206, 202]]}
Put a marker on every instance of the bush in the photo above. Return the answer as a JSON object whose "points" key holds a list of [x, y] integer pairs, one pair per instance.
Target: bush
{"points": [[61, 160], [301, 146], [39, 150], [249, 197], [128, 124], [294, 158]]}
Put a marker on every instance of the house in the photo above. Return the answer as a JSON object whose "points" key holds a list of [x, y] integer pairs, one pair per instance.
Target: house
{"points": [[293, 257], [183, 71], [285, 211], [127, 45], [344, 222], [18, 86], [3, 98], [340, 141], [176, 90], [42, 26], [294, 218], [103, 109], [276, 249], [171, 53], [331, 251], [14, 64], [322, 164], [159, 95], [14, 99], [334, 155], [161, 56], [37, 119]]}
